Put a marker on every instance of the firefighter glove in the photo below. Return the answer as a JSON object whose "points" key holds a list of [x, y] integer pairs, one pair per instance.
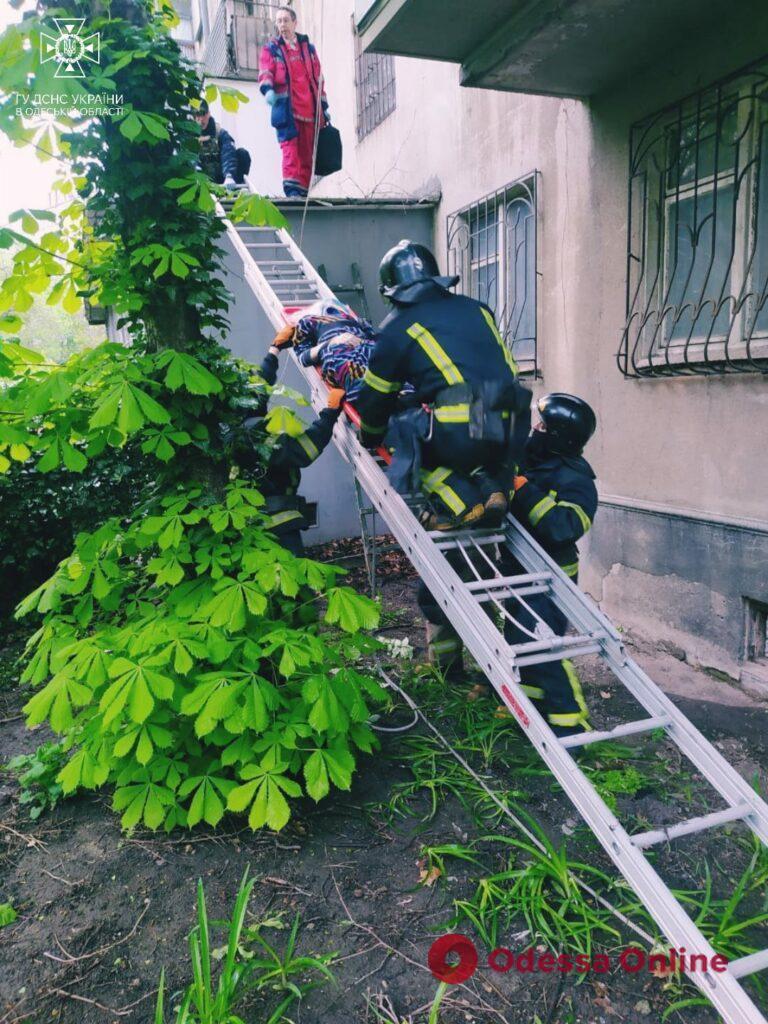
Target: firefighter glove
{"points": [[270, 96], [336, 397], [284, 337], [520, 481]]}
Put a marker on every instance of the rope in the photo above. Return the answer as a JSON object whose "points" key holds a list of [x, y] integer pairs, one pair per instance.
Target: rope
{"points": [[318, 109], [529, 835]]}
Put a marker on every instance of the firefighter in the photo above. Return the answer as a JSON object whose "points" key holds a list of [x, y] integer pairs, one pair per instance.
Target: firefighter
{"points": [[449, 349], [279, 482], [555, 499]]}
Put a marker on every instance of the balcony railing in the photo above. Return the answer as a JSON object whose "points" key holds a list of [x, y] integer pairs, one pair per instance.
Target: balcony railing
{"points": [[239, 31]]}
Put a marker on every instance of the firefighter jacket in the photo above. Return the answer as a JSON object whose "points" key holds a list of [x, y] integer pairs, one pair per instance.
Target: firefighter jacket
{"points": [[218, 156], [288, 457], [557, 505], [274, 74], [438, 342]]}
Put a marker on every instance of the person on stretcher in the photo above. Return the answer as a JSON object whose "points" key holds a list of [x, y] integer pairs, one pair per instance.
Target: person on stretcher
{"points": [[333, 337]]}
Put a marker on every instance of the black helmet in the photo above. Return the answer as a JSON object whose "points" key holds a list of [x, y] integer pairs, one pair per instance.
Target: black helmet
{"points": [[408, 264], [570, 422]]}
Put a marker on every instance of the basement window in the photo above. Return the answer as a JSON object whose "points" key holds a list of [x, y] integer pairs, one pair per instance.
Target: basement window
{"points": [[756, 631], [492, 247]]}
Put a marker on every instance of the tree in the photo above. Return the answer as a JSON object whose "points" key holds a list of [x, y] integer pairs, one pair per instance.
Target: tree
{"points": [[180, 652]]}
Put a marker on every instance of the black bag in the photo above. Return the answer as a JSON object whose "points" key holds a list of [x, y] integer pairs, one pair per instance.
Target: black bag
{"points": [[329, 151]]}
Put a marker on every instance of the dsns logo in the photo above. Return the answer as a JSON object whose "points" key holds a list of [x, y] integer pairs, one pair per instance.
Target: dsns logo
{"points": [[70, 48]]}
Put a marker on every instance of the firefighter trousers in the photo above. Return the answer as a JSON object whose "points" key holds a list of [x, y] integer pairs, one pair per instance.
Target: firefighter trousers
{"points": [[459, 472], [444, 646], [555, 685]]}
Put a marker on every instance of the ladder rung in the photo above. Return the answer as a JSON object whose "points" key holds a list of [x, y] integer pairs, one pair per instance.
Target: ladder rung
{"points": [[748, 964], [509, 581], [257, 227], [503, 595], [556, 644], [686, 828], [277, 263], [266, 245], [456, 539], [580, 650], [289, 280], [628, 729]]}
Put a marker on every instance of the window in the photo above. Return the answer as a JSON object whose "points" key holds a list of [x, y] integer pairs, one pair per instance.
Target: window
{"points": [[697, 272], [756, 631], [375, 88], [492, 246]]}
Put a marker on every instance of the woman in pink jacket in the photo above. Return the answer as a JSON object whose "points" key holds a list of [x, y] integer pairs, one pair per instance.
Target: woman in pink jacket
{"points": [[290, 78]]}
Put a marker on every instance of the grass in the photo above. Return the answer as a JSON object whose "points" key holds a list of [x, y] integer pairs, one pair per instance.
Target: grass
{"points": [[519, 883], [248, 964]]}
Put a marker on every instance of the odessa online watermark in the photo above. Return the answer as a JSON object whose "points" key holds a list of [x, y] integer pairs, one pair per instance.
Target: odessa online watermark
{"points": [[454, 959]]}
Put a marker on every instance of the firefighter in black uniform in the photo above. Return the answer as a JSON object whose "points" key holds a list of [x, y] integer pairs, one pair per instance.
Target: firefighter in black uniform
{"points": [[449, 349], [288, 455], [555, 499]]}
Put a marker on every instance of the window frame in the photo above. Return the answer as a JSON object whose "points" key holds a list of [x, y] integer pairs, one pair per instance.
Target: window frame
{"points": [[461, 261], [383, 102], [649, 347]]}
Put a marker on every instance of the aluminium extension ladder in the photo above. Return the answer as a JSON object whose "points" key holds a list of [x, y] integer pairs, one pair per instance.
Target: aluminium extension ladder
{"points": [[283, 281]]}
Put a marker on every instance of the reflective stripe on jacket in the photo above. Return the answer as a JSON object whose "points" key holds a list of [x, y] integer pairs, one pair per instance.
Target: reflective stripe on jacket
{"points": [[439, 341], [557, 506]]}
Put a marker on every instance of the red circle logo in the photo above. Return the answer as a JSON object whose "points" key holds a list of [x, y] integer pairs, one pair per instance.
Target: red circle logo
{"points": [[452, 945]]}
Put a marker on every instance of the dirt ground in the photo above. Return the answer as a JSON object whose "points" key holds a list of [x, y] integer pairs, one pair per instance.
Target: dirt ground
{"points": [[100, 913]]}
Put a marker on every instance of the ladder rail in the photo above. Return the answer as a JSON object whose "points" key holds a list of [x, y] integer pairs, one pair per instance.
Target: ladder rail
{"points": [[497, 660], [584, 614]]}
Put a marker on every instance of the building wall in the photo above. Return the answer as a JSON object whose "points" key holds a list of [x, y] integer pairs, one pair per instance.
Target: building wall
{"points": [[691, 446]]}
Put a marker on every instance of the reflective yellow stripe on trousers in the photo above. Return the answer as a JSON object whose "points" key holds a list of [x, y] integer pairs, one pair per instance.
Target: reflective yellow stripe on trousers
{"points": [[434, 483], [281, 518]]}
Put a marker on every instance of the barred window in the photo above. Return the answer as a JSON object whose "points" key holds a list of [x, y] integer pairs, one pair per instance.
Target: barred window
{"points": [[492, 247], [375, 88], [697, 272]]}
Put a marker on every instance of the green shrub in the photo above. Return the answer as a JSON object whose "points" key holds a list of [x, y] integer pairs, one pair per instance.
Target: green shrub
{"points": [[42, 513], [183, 659]]}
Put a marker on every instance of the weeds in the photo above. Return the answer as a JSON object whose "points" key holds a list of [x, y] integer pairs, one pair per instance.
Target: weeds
{"points": [[244, 969], [7, 914], [37, 774], [540, 886]]}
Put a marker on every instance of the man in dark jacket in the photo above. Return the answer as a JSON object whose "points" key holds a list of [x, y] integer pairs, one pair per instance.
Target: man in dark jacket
{"points": [[219, 158], [449, 349], [555, 499], [279, 481]]}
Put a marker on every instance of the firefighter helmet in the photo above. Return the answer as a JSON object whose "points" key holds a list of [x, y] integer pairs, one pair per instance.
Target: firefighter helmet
{"points": [[570, 422], [407, 264]]}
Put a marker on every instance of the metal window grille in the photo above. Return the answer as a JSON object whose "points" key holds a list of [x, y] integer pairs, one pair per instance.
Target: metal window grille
{"points": [[375, 88], [492, 247], [697, 254], [238, 32]]}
